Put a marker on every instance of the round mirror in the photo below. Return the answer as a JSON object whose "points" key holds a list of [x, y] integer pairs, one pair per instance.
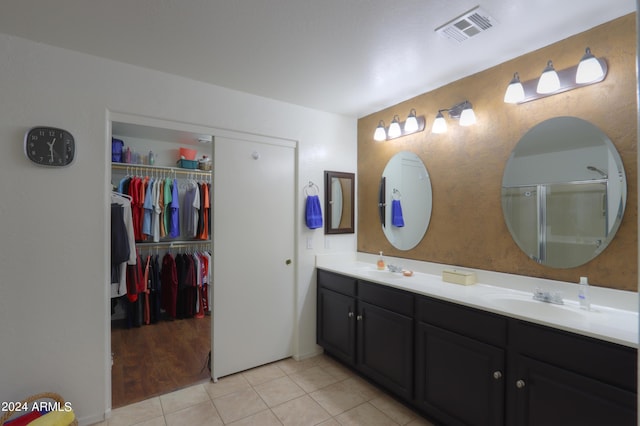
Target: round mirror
{"points": [[405, 200], [563, 192]]}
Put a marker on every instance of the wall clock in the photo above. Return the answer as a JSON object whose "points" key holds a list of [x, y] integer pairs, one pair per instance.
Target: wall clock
{"points": [[49, 146]]}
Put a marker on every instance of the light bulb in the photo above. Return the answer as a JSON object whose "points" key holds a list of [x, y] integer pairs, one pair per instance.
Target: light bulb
{"points": [[411, 125], [515, 91], [589, 68], [380, 134], [549, 81], [394, 128], [467, 117], [439, 124]]}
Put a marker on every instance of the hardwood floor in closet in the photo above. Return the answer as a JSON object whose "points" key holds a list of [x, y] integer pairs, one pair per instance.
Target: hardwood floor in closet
{"points": [[159, 358]]}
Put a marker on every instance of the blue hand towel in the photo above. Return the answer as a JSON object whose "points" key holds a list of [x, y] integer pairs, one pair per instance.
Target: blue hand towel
{"points": [[313, 212], [396, 214]]}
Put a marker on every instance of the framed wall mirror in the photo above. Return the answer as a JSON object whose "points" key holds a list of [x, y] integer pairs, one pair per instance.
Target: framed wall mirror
{"points": [[564, 192], [339, 189]]}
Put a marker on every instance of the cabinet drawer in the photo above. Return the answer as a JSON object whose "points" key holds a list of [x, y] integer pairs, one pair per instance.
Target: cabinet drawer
{"points": [[340, 283], [386, 297], [608, 362], [469, 322]]}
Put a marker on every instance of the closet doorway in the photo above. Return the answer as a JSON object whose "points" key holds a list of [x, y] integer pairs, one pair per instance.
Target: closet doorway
{"points": [[161, 343]]}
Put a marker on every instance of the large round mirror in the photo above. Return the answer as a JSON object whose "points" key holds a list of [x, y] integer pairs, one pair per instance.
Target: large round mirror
{"points": [[405, 200], [563, 192]]}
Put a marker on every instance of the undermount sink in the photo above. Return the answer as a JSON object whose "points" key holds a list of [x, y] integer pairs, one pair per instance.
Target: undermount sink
{"points": [[525, 305]]}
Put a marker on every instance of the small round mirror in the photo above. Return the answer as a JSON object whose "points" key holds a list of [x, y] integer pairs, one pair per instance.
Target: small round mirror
{"points": [[405, 200], [563, 192]]}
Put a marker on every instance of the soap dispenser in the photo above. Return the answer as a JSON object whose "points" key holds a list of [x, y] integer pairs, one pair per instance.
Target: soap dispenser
{"points": [[380, 263], [583, 294]]}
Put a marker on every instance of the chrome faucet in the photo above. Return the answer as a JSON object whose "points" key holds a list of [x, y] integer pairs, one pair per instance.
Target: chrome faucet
{"points": [[554, 297]]}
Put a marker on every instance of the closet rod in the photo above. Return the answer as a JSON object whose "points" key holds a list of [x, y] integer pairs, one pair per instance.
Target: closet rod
{"points": [[125, 166], [172, 243]]}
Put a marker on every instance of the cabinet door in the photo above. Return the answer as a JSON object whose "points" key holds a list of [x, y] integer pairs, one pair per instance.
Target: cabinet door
{"points": [[385, 348], [458, 379], [336, 324], [548, 395]]}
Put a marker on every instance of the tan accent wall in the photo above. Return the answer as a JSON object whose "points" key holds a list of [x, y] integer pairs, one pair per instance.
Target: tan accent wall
{"points": [[466, 164]]}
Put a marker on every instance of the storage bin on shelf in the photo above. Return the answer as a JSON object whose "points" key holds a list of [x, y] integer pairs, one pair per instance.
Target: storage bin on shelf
{"points": [[187, 164], [188, 154]]}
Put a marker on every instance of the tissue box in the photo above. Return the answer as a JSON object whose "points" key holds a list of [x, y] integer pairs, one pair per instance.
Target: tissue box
{"points": [[459, 276]]}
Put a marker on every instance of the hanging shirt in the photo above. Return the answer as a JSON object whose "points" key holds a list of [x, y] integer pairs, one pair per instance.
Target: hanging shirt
{"points": [[169, 285], [174, 208], [167, 204], [148, 209], [119, 287]]}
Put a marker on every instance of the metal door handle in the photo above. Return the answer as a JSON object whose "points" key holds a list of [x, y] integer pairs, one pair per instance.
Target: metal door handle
{"points": [[497, 375], [359, 318], [350, 315], [520, 384]]}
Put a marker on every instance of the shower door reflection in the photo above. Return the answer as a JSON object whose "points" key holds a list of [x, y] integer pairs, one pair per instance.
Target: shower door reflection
{"points": [[558, 224]]}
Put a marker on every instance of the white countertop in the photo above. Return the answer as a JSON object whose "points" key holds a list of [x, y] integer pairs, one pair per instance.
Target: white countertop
{"points": [[613, 316]]}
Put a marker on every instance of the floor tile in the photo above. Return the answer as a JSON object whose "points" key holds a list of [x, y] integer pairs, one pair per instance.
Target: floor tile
{"points": [[365, 415], [290, 365], [337, 398], [136, 413], [227, 385], [238, 405], [277, 391], [263, 418], [301, 411], [202, 414], [313, 379], [263, 374], [183, 398], [392, 408]]}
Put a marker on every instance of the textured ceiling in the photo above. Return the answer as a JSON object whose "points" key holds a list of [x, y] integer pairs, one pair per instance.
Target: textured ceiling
{"points": [[351, 57]]}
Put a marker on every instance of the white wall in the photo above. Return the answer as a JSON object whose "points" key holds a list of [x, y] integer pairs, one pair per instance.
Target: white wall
{"points": [[54, 315]]}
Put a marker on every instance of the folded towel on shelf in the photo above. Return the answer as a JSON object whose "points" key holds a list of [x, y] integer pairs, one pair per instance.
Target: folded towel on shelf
{"points": [[313, 212], [396, 214]]}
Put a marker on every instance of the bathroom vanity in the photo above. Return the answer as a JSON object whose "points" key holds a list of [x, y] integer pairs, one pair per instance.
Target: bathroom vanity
{"points": [[485, 354]]}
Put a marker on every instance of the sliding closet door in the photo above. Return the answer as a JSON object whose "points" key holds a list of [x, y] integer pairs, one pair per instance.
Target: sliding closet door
{"points": [[253, 249]]}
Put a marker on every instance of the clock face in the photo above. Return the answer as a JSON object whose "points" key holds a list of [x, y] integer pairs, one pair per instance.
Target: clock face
{"points": [[49, 146]]}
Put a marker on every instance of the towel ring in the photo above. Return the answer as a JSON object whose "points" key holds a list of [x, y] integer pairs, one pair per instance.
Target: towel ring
{"points": [[396, 194], [311, 186]]}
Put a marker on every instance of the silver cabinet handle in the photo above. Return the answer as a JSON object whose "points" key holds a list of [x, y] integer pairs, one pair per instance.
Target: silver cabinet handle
{"points": [[359, 318], [350, 315], [520, 384], [497, 375]]}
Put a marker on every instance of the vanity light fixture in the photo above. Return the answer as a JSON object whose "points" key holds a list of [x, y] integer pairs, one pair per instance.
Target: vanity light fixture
{"points": [[549, 81], [413, 124], [462, 111], [515, 91], [589, 70], [381, 133], [394, 128]]}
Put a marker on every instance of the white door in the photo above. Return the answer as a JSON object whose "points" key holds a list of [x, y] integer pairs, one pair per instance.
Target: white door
{"points": [[253, 249]]}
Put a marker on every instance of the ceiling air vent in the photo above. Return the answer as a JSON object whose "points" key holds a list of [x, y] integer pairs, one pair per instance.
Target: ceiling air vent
{"points": [[467, 25]]}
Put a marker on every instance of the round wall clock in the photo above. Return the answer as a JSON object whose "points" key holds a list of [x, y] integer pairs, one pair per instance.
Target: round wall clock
{"points": [[49, 146]]}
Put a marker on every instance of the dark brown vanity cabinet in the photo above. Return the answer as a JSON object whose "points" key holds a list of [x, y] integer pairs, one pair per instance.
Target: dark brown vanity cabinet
{"points": [[466, 366], [560, 378], [369, 327], [460, 363], [336, 322]]}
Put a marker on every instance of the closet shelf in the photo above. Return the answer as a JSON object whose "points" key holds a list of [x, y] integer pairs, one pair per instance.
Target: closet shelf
{"points": [[174, 170]]}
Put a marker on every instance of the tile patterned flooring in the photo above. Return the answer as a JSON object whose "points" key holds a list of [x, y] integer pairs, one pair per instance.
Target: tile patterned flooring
{"points": [[315, 391]]}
